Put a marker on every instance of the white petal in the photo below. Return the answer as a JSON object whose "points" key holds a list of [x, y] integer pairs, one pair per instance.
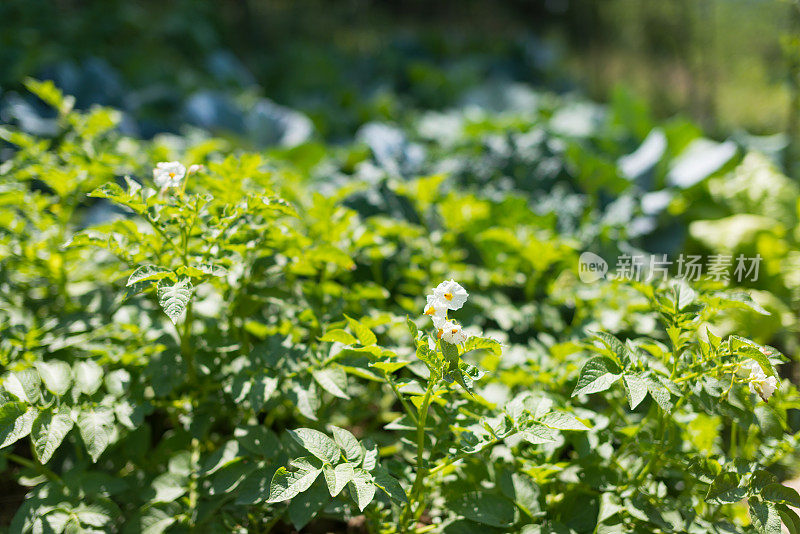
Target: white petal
{"points": [[435, 306], [452, 333], [452, 293], [439, 321], [168, 174]]}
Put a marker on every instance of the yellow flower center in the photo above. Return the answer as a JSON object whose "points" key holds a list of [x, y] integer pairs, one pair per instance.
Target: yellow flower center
{"points": [[455, 331], [439, 334], [430, 311], [172, 175], [448, 296]]}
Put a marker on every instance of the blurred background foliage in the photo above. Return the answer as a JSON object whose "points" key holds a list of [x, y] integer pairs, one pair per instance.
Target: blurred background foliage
{"points": [[726, 63]]}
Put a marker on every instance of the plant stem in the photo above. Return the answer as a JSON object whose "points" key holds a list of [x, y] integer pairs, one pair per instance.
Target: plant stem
{"points": [[655, 455], [186, 346], [700, 373], [193, 493], [456, 459], [408, 512], [403, 401], [163, 234], [36, 466]]}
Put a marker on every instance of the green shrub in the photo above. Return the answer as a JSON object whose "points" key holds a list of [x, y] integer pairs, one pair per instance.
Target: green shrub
{"points": [[230, 348]]}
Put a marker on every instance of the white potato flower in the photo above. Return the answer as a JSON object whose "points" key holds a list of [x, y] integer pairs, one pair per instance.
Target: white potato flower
{"points": [[169, 174], [451, 293], [760, 383], [453, 333], [435, 307]]}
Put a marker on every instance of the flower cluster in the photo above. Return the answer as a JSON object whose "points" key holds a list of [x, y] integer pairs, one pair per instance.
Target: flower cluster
{"points": [[449, 295], [170, 174], [760, 383]]}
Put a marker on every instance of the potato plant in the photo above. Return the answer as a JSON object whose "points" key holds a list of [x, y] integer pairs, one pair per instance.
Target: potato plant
{"points": [[194, 338]]}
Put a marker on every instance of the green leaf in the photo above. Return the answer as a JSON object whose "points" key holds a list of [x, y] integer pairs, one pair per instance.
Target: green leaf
{"points": [[115, 193], [15, 137], [389, 485], [412, 328], [59, 520], [725, 489], [780, 494], [130, 415], [223, 456], [286, 484], [635, 389], [337, 477], [742, 300], [333, 380], [429, 357], [451, 356], [258, 439], [660, 394], [262, 389], [684, 295], [56, 375], [88, 377], [227, 479], [96, 426], [117, 382], [537, 434], [486, 509], [765, 516], [24, 384], [364, 334], [168, 487], [370, 455], [254, 488], [760, 479], [87, 238], [362, 488], [201, 270], [280, 205], [304, 507], [48, 431], [317, 444], [148, 273], [562, 421], [97, 514], [713, 339], [749, 349], [389, 367], [483, 343], [789, 518], [16, 420], [338, 335], [135, 289], [523, 490], [617, 347], [304, 396], [467, 375], [173, 298], [50, 94], [598, 374], [348, 443], [154, 521]]}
